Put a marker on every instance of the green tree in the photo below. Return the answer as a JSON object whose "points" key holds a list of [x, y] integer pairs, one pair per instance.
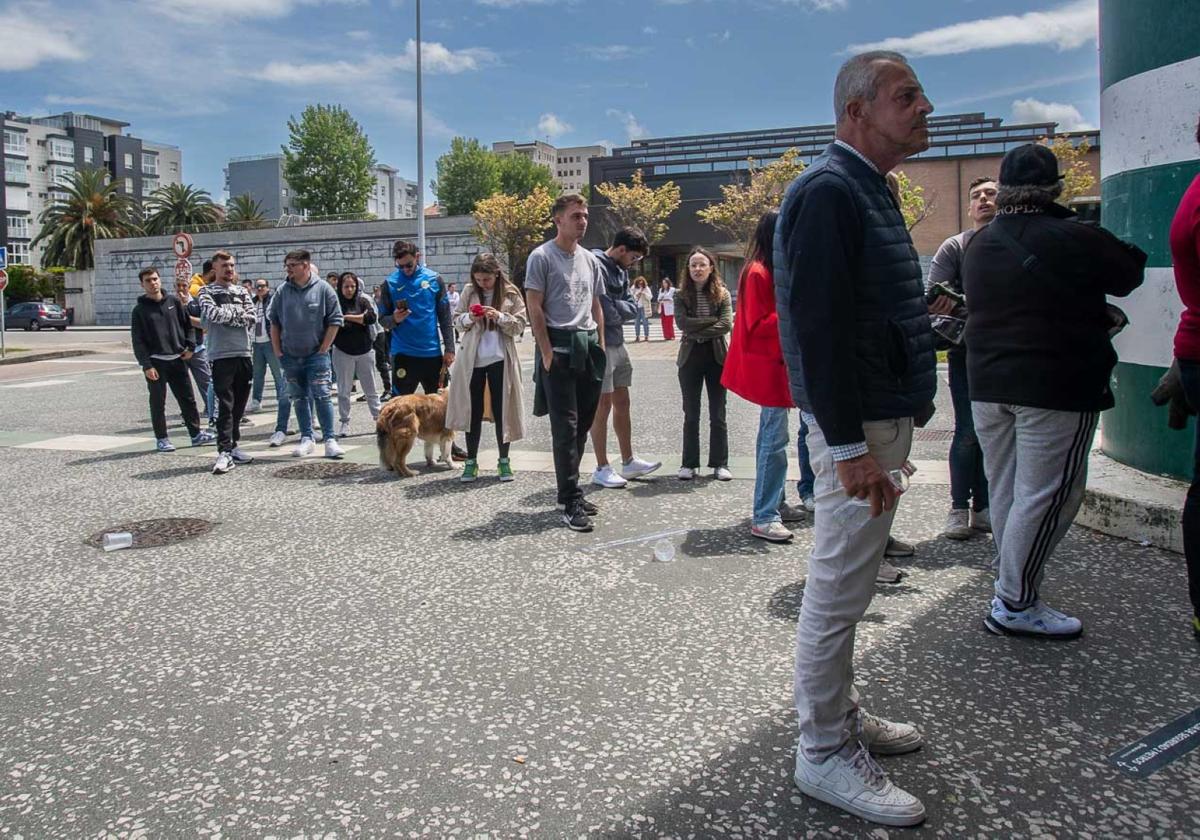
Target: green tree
{"points": [[466, 175], [914, 206], [328, 162], [175, 207], [637, 205], [520, 176], [1072, 165], [511, 226], [244, 213], [23, 284], [743, 203], [93, 209]]}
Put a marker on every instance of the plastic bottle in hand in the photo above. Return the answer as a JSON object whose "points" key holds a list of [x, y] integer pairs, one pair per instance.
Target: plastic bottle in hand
{"points": [[854, 513]]}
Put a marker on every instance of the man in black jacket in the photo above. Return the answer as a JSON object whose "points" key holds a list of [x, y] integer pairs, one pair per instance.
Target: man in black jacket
{"points": [[855, 334], [163, 341], [1039, 356]]}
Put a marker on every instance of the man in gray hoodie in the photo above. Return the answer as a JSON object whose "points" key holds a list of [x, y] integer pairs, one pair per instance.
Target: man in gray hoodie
{"points": [[228, 317]]}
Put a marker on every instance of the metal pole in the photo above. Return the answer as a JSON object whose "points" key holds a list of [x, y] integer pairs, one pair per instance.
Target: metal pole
{"points": [[2, 324], [420, 145]]}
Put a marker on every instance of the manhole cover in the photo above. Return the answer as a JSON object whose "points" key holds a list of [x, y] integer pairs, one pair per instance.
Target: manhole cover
{"points": [[318, 470], [933, 434], [150, 533]]}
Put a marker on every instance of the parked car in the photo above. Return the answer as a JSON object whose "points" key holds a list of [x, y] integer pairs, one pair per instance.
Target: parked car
{"points": [[34, 315]]}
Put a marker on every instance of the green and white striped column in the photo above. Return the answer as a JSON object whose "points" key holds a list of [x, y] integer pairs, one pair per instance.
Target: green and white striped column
{"points": [[1150, 83]]}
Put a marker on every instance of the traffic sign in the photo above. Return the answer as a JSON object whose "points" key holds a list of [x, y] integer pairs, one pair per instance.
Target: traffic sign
{"points": [[182, 245], [3, 279], [3, 257], [183, 270]]}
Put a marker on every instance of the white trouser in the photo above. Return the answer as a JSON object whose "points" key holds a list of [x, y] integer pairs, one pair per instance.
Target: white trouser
{"points": [[840, 584], [345, 367]]}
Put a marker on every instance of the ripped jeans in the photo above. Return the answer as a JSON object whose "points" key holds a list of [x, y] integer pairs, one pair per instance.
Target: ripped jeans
{"points": [[310, 377]]}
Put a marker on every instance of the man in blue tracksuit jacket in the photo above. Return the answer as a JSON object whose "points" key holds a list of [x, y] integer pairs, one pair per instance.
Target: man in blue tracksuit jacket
{"points": [[413, 304]]}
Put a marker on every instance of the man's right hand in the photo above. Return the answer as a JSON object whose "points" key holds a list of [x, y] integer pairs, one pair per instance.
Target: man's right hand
{"points": [[151, 374], [863, 478], [547, 360], [941, 305], [399, 315]]}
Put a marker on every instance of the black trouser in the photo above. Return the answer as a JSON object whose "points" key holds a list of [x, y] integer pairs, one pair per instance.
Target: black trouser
{"points": [[232, 379], [493, 376], [1189, 374], [571, 398], [699, 371], [172, 374], [383, 362], [410, 371]]}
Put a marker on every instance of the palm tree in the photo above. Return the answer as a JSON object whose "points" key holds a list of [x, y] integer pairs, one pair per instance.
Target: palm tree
{"points": [[93, 209], [243, 212], [173, 207]]}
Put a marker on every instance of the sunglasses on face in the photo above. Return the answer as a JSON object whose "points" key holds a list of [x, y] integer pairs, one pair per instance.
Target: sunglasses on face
{"points": [[408, 266]]}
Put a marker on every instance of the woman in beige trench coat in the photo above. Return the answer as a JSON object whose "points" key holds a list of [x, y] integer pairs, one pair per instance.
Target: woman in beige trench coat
{"points": [[490, 315]]}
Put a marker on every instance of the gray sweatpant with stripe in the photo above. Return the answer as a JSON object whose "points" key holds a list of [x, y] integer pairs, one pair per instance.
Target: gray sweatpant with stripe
{"points": [[1036, 462]]}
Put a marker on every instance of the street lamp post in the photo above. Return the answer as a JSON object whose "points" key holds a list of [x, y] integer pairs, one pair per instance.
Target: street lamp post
{"points": [[420, 145]]}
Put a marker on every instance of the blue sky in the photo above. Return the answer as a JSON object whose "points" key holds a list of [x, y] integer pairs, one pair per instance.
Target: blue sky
{"points": [[220, 78]]}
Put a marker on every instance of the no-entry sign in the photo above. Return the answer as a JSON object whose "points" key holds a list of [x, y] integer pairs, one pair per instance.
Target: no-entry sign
{"points": [[3, 279]]}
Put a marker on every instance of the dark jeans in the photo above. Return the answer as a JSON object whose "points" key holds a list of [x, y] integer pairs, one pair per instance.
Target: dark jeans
{"points": [[231, 379], [383, 362], [493, 375], [410, 371], [173, 375], [805, 485], [1189, 373], [202, 373], [968, 481], [572, 398], [699, 372]]}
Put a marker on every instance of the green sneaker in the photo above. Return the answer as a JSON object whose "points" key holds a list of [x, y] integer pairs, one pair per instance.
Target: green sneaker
{"points": [[506, 473], [1196, 625], [470, 470]]}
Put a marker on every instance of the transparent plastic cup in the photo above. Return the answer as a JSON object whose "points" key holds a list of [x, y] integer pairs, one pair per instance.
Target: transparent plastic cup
{"points": [[117, 540], [854, 513], [664, 550]]}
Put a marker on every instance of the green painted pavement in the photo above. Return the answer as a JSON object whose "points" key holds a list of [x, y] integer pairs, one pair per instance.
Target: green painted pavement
{"points": [[1136, 432], [1140, 204], [1141, 35]]}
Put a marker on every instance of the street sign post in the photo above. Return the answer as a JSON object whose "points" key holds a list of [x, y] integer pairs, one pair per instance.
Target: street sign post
{"points": [[182, 245], [183, 270], [3, 286]]}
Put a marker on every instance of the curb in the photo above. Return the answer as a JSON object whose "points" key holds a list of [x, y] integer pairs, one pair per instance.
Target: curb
{"points": [[1124, 502], [41, 357]]}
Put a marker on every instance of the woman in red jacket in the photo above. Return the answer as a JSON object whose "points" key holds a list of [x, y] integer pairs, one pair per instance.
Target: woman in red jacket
{"points": [[755, 371]]}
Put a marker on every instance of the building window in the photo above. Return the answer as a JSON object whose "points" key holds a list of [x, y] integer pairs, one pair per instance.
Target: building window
{"points": [[16, 169], [283, 191], [150, 165], [18, 253], [62, 150], [89, 154], [129, 186], [175, 167], [18, 226], [14, 142], [61, 176]]}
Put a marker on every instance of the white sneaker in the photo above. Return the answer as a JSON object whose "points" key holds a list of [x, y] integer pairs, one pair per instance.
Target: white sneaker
{"points": [[606, 477], [277, 439], [304, 447], [255, 405], [792, 513], [636, 468], [981, 520], [858, 786], [722, 474], [809, 503], [239, 456], [885, 737], [332, 450], [223, 464], [958, 525], [771, 532], [686, 474], [888, 573], [344, 429], [1037, 620]]}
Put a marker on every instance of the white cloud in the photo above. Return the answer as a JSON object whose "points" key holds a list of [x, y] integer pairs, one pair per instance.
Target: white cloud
{"points": [[1035, 111], [28, 42], [218, 11], [649, 30], [1024, 87], [1065, 27], [722, 37], [634, 130], [611, 52], [508, 4], [549, 125], [435, 58], [827, 5]]}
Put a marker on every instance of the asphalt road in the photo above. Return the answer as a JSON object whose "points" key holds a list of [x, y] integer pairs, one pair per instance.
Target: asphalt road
{"points": [[361, 655]]}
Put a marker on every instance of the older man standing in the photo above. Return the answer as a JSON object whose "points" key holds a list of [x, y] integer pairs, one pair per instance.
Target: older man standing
{"points": [[856, 337]]}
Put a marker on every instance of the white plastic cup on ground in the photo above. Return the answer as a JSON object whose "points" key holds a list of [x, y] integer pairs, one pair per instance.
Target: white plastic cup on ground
{"points": [[117, 540], [664, 550]]}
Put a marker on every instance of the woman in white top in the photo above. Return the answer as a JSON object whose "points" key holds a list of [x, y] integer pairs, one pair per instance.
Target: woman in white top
{"points": [[490, 315], [666, 309], [641, 296]]}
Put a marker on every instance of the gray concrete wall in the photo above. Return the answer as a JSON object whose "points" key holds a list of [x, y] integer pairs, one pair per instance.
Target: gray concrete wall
{"points": [[362, 247], [84, 300]]}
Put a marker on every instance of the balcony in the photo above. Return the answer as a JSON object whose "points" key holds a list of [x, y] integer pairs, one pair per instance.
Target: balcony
{"points": [[57, 151]]}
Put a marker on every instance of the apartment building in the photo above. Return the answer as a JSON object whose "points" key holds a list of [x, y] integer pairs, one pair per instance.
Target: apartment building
{"points": [[261, 177], [569, 166]]}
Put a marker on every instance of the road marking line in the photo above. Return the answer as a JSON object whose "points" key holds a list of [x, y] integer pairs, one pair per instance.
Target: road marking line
{"points": [[44, 383], [86, 443], [74, 361], [643, 538]]}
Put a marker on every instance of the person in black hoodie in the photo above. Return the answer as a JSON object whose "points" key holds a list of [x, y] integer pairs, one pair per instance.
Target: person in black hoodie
{"points": [[353, 349], [1039, 356], [163, 341]]}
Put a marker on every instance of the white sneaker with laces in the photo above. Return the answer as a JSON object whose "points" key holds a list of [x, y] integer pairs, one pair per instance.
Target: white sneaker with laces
{"points": [[809, 503], [858, 786], [981, 520], [255, 405], [277, 439], [722, 474], [344, 429], [888, 573], [686, 474], [1037, 620], [606, 476], [771, 532], [223, 464], [636, 468], [885, 737], [304, 447], [958, 525], [332, 450], [240, 457]]}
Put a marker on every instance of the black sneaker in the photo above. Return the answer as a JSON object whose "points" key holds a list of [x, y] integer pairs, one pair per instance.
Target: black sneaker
{"points": [[457, 453], [588, 507], [575, 518]]}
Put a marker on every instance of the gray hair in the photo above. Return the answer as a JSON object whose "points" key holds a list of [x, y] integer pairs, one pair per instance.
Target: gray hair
{"points": [[859, 78], [1028, 195]]}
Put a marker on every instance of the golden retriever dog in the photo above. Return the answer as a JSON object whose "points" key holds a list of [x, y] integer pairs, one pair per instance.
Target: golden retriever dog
{"points": [[404, 419]]}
